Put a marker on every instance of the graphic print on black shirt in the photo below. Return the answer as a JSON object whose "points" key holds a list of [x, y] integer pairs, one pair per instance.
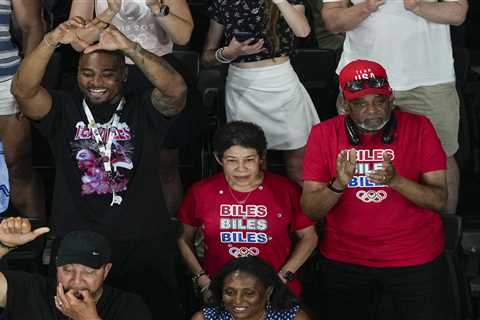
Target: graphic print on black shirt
{"points": [[94, 178]]}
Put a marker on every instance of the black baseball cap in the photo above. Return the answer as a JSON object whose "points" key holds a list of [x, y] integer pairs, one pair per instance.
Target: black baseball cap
{"points": [[83, 247]]}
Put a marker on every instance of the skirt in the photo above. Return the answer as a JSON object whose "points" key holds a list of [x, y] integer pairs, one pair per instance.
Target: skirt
{"points": [[274, 98]]}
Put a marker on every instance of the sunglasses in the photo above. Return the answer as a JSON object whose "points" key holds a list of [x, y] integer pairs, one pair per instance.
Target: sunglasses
{"points": [[357, 85]]}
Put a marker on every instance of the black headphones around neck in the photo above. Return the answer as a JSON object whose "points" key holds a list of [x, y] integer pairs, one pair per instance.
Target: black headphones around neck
{"points": [[388, 131]]}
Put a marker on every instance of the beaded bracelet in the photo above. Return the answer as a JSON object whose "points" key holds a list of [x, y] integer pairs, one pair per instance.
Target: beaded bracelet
{"points": [[220, 57], [51, 45]]}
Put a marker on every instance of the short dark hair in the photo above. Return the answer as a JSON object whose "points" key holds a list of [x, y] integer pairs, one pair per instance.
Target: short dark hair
{"points": [[282, 298], [240, 133], [117, 54]]}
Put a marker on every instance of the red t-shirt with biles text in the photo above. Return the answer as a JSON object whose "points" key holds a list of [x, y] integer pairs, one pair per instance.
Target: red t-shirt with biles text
{"points": [[262, 226], [371, 224]]}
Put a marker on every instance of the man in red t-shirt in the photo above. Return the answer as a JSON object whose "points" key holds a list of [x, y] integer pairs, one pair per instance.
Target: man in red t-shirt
{"points": [[377, 175]]}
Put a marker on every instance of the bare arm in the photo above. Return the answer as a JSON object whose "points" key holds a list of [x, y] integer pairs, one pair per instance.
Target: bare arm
{"points": [[212, 43], [339, 17], [14, 232], [178, 24], [295, 17], [307, 242], [198, 316], [446, 12], [28, 15], [185, 245], [170, 93], [317, 198], [301, 315], [34, 101]]}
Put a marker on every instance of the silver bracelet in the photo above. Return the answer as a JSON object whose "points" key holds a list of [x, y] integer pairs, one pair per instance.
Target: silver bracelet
{"points": [[220, 57]]}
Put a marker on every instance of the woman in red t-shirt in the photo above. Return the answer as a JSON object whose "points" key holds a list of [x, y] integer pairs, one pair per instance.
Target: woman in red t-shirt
{"points": [[245, 211]]}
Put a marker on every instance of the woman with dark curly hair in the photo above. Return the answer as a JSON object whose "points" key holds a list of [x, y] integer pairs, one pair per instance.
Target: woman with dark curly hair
{"points": [[249, 289], [245, 211], [256, 38]]}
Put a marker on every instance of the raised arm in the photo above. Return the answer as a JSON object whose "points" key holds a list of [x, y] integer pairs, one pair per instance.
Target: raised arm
{"points": [[295, 17], [318, 198], [445, 12], [339, 17], [14, 232], [28, 16], [170, 93], [34, 101], [178, 24]]}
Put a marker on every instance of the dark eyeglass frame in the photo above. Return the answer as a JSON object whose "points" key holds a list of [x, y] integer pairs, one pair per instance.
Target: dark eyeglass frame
{"points": [[358, 85]]}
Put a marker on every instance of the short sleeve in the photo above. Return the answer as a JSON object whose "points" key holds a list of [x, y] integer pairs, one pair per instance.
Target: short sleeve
{"points": [[300, 219], [315, 167], [215, 12], [187, 213], [433, 155]]}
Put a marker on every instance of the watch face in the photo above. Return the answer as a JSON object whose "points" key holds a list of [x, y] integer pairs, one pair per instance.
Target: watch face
{"points": [[289, 275], [164, 10]]}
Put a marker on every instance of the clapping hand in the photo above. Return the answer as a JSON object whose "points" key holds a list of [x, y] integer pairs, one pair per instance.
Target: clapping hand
{"points": [[387, 174], [346, 163], [17, 231]]}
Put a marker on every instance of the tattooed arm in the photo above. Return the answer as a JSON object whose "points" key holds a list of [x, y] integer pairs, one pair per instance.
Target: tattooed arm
{"points": [[170, 94]]}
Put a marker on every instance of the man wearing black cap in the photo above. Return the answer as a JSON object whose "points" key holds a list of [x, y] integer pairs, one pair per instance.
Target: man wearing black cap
{"points": [[83, 263], [377, 176]]}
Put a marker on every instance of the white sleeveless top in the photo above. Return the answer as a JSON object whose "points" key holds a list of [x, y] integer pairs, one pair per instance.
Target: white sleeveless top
{"points": [[414, 52], [137, 22]]}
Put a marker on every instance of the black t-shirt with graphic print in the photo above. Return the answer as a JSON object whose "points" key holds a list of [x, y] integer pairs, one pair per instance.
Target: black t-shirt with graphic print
{"points": [[30, 296], [248, 15], [82, 192]]}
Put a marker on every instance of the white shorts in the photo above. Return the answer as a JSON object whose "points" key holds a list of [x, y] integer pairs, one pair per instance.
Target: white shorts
{"points": [[274, 98], [8, 104]]}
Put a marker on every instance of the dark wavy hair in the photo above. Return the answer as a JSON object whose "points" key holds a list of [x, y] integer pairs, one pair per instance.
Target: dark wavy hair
{"points": [[240, 133], [282, 298]]}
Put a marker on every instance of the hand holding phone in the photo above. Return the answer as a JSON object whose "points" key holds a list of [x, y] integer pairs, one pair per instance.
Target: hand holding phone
{"points": [[242, 36]]}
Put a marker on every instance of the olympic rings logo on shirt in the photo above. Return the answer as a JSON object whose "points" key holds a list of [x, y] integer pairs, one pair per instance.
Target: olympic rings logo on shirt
{"points": [[371, 196], [243, 252]]}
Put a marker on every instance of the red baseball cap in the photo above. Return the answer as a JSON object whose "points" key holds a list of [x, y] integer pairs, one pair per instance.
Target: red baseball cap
{"points": [[359, 70]]}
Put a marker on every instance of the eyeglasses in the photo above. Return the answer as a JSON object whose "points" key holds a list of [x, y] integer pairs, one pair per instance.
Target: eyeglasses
{"points": [[357, 85]]}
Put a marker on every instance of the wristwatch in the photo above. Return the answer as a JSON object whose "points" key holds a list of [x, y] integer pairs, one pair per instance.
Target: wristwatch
{"points": [[289, 275], [163, 12]]}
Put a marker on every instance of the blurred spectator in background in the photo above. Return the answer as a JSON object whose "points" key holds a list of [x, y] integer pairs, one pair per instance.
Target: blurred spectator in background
{"points": [[325, 39], [262, 86], [26, 189]]}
